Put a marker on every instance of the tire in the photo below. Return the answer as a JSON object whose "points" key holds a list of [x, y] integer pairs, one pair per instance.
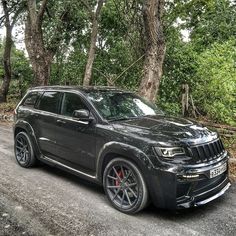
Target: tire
{"points": [[124, 186], [24, 152]]}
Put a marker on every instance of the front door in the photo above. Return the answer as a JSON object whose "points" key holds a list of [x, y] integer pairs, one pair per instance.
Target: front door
{"points": [[75, 139]]}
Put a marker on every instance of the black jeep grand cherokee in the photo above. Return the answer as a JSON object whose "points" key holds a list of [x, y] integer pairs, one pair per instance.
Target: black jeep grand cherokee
{"points": [[118, 139]]}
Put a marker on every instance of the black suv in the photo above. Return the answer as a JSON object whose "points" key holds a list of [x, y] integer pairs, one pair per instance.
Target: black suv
{"points": [[120, 140]]}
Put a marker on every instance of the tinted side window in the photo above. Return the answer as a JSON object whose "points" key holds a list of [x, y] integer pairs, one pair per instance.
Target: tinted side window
{"points": [[31, 99], [71, 103], [50, 102]]}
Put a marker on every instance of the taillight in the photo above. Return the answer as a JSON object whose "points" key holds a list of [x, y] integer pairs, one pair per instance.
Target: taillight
{"points": [[15, 115]]}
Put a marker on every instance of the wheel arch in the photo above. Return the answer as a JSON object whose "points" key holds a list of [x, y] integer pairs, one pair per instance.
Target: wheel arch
{"points": [[113, 150], [17, 130], [24, 126]]}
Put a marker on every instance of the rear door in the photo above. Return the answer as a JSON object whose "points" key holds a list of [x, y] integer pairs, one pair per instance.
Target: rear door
{"points": [[26, 109], [45, 121]]}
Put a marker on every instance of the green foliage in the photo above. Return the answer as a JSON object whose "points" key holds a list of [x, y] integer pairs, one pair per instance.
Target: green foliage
{"points": [[63, 23], [208, 21], [118, 47], [69, 71], [22, 76], [217, 24], [179, 68], [215, 90], [206, 62], [171, 108]]}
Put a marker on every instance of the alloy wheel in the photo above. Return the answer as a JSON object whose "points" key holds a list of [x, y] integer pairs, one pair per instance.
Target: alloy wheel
{"points": [[122, 186], [22, 150]]}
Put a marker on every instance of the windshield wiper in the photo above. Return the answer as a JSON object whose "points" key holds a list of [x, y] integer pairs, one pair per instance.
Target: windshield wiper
{"points": [[123, 118]]}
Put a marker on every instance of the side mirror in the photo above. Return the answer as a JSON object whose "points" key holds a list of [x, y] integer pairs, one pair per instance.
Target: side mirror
{"points": [[82, 115]]}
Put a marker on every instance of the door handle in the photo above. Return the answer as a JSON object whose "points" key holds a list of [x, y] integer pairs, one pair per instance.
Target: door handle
{"points": [[61, 122]]}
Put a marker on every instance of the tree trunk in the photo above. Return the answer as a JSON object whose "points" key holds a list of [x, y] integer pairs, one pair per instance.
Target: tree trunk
{"points": [[40, 54], [155, 48], [6, 55], [185, 100], [91, 55], [40, 59], [92, 49]]}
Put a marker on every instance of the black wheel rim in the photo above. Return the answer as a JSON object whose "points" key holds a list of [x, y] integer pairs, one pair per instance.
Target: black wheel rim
{"points": [[22, 150], [122, 186]]}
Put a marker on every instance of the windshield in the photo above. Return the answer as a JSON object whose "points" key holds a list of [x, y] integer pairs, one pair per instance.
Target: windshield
{"points": [[113, 105]]}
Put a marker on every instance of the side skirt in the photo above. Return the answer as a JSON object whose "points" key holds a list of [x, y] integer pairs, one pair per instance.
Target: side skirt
{"points": [[69, 169]]}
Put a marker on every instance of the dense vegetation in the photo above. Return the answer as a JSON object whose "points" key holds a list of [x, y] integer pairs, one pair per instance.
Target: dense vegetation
{"points": [[205, 59]]}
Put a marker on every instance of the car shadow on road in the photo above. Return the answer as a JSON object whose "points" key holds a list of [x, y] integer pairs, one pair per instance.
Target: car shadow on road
{"points": [[151, 211], [77, 180], [183, 213], [191, 214]]}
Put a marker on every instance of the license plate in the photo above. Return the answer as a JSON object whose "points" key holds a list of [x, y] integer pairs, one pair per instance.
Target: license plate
{"points": [[217, 171]]}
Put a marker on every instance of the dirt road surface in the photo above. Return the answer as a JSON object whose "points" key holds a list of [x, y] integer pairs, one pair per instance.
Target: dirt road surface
{"points": [[47, 201]]}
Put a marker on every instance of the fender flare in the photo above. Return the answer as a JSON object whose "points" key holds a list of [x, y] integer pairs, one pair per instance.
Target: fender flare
{"points": [[22, 124], [120, 149]]}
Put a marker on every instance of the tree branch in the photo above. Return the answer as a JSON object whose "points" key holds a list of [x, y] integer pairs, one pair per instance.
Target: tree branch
{"points": [[99, 8], [106, 77], [128, 68], [2, 18], [41, 11], [85, 3], [6, 13], [11, 9], [17, 13], [48, 13], [56, 39]]}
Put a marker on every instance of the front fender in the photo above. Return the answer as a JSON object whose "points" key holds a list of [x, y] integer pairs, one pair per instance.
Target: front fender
{"points": [[125, 150]]}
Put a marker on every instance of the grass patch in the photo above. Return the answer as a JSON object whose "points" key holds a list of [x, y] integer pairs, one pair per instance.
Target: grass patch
{"points": [[8, 107]]}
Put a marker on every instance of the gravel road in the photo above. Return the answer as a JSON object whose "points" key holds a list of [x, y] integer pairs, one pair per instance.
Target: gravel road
{"points": [[47, 201]]}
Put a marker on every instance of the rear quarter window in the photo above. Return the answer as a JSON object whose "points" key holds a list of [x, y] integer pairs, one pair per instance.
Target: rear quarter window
{"points": [[31, 99]]}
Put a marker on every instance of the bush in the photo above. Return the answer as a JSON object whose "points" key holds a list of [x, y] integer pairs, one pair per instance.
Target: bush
{"points": [[215, 91], [171, 108]]}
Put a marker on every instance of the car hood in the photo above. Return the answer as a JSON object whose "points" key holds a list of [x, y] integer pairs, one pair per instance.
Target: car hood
{"points": [[165, 129]]}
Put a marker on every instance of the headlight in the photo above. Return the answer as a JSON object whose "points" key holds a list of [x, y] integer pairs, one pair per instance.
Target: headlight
{"points": [[169, 151]]}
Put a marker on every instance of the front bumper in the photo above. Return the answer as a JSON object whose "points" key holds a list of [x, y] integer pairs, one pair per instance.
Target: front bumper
{"points": [[169, 187], [207, 194]]}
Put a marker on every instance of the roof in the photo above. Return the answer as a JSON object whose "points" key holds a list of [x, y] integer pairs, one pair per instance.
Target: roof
{"points": [[84, 89]]}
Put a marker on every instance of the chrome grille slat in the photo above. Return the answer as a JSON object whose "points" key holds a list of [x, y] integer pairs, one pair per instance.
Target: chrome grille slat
{"points": [[216, 148], [221, 144], [211, 150]]}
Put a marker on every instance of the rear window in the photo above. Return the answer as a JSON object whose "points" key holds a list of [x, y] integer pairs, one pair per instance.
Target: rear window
{"points": [[50, 102], [31, 99]]}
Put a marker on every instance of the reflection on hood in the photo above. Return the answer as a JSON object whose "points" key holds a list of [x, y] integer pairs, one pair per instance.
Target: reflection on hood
{"points": [[162, 128]]}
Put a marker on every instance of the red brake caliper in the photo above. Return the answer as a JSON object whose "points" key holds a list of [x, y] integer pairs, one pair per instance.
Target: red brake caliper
{"points": [[117, 182]]}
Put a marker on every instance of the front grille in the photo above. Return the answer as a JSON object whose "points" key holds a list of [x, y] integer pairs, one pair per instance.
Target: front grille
{"points": [[207, 152]]}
